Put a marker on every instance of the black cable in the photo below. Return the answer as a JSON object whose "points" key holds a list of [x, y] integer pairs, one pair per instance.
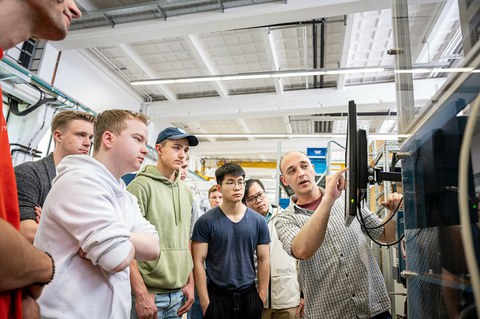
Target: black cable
{"points": [[24, 149], [14, 102], [362, 223], [389, 218]]}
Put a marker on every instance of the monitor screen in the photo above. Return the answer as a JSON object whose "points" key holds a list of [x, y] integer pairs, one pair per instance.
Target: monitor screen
{"points": [[362, 165], [356, 159], [350, 161]]}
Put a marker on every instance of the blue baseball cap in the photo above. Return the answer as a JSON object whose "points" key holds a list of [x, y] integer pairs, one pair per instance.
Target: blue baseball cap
{"points": [[176, 133]]}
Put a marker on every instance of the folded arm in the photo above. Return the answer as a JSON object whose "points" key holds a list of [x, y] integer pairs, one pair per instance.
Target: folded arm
{"points": [[146, 246]]}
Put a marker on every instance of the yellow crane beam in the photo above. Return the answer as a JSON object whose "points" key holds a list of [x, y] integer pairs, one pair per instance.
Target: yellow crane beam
{"points": [[250, 164]]}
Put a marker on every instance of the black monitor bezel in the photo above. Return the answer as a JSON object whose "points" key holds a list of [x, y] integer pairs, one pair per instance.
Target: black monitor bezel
{"points": [[362, 165], [351, 163]]}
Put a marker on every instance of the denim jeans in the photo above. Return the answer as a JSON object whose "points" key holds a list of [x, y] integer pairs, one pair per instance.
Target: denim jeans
{"points": [[196, 310], [167, 305]]}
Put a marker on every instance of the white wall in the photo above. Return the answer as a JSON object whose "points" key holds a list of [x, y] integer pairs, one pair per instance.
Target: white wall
{"points": [[80, 79]]}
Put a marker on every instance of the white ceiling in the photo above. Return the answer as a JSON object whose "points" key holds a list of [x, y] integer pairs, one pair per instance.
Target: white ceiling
{"points": [[136, 41]]}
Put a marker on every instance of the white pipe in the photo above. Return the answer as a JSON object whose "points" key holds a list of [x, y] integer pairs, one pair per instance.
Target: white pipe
{"points": [[23, 92], [468, 245]]}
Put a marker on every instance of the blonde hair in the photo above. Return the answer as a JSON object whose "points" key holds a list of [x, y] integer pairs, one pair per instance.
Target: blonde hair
{"points": [[212, 189], [63, 119], [113, 121]]}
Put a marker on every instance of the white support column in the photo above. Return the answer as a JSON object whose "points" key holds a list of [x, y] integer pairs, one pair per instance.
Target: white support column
{"points": [[278, 173], [403, 60]]}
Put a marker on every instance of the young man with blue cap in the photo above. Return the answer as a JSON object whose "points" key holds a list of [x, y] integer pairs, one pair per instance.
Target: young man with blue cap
{"points": [[164, 288]]}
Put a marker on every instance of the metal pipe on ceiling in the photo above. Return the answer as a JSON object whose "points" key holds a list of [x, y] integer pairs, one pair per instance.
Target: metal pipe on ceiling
{"points": [[222, 7], [314, 46], [289, 25], [154, 10], [342, 115], [305, 55], [322, 49], [13, 68]]}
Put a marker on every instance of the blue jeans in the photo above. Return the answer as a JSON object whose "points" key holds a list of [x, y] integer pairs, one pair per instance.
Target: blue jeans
{"points": [[196, 310], [167, 305]]}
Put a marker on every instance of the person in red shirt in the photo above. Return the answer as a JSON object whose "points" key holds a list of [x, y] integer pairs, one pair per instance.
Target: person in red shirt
{"points": [[23, 268]]}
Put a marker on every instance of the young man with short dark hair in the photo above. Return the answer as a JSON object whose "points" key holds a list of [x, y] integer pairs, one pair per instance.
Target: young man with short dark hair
{"points": [[226, 239]]}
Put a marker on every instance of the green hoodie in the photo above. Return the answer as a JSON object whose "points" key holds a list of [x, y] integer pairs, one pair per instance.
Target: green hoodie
{"points": [[168, 206]]}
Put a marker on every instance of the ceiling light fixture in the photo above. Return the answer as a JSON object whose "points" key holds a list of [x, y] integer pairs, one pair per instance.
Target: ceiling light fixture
{"points": [[352, 71], [255, 75], [299, 73], [192, 80], [245, 76], [374, 136], [417, 68], [453, 70]]}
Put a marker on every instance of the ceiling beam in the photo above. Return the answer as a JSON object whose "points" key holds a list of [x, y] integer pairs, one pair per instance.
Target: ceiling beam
{"points": [[246, 129], [140, 63], [436, 31], [259, 147], [288, 126], [346, 47], [87, 5], [200, 129], [371, 97], [271, 50], [200, 54], [244, 17]]}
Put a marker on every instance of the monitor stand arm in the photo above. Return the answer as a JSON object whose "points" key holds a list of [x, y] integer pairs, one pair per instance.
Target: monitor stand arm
{"points": [[377, 175]]}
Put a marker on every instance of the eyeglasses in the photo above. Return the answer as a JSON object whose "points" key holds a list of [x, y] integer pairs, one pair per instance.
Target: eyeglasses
{"points": [[232, 184], [254, 199]]}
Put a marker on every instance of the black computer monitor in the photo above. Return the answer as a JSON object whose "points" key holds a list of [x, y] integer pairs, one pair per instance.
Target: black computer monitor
{"points": [[357, 163], [362, 164], [350, 160]]}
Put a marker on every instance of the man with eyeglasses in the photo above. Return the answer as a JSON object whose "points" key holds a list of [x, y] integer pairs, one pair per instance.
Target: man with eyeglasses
{"points": [[226, 238], [283, 298]]}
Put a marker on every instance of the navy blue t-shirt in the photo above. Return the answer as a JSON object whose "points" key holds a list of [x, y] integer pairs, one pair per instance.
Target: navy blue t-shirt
{"points": [[231, 246]]}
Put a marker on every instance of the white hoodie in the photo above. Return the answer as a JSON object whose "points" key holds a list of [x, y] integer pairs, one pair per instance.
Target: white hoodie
{"points": [[88, 208]]}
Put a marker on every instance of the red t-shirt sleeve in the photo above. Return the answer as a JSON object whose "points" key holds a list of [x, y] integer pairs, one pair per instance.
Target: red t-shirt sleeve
{"points": [[10, 301]]}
